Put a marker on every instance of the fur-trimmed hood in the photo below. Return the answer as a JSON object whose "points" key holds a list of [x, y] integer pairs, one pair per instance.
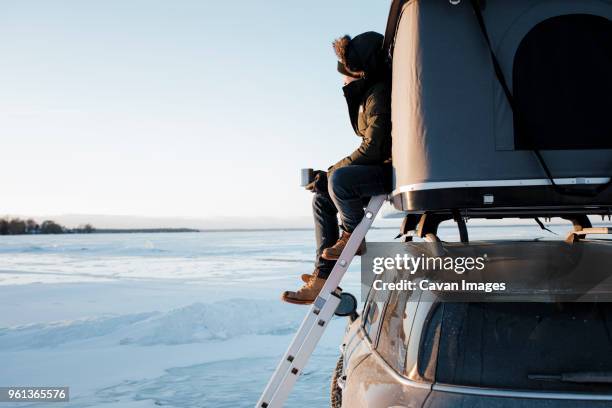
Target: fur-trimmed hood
{"points": [[361, 56]]}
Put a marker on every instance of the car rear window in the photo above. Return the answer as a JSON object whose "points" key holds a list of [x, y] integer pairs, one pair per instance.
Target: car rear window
{"points": [[502, 345]]}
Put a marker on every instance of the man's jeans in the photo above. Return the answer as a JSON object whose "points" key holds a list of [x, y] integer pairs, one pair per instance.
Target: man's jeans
{"points": [[347, 187]]}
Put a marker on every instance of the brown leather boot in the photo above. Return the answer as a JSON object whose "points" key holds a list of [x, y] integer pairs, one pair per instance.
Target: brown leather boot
{"points": [[333, 253], [306, 294], [306, 277]]}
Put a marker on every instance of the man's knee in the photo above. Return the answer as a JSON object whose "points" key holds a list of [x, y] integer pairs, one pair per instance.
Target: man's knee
{"points": [[340, 182]]}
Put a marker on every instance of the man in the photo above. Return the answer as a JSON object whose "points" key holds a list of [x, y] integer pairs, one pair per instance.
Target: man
{"points": [[366, 172]]}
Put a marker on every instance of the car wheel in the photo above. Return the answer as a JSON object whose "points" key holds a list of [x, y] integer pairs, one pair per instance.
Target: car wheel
{"points": [[336, 391]]}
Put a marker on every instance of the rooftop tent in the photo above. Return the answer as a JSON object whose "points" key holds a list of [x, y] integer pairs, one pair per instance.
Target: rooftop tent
{"points": [[487, 127]]}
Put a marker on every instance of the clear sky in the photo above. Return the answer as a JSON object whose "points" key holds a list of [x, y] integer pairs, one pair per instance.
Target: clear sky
{"points": [[171, 108]]}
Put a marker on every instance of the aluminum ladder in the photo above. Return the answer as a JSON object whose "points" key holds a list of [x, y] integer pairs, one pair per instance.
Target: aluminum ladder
{"points": [[320, 313]]}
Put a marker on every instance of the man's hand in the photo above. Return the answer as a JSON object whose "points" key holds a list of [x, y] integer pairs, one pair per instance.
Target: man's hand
{"points": [[319, 185]]}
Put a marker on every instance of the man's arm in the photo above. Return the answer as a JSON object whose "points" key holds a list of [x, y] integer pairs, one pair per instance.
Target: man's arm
{"points": [[377, 134]]}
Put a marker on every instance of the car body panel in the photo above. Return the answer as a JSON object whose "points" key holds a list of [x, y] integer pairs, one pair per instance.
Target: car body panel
{"points": [[374, 384], [441, 399], [358, 351]]}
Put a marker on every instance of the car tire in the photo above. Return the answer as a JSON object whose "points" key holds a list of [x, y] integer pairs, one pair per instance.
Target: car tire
{"points": [[335, 391]]}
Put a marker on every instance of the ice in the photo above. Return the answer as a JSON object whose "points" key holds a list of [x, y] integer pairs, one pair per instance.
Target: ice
{"points": [[216, 321], [190, 324], [143, 320], [51, 335], [177, 320]]}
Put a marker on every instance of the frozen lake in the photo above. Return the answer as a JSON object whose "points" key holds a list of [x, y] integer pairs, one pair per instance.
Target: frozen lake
{"points": [[175, 320]]}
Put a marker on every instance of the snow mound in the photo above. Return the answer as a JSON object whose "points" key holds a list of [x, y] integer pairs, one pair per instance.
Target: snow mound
{"points": [[57, 333], [215, 321], [193, 323]]}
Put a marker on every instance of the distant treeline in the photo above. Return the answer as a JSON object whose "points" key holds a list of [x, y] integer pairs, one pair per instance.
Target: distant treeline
{"points": [[135, 230], [17, 226]]}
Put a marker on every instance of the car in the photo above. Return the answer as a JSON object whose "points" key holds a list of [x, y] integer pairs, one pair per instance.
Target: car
{"points": [[411, 349]]}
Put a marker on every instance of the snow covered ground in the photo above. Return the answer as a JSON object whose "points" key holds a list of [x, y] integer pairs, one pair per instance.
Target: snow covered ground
{"points": [[174, 320]]}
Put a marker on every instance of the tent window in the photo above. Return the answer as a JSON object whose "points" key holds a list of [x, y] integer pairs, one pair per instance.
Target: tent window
{"points": [[562, 84]]}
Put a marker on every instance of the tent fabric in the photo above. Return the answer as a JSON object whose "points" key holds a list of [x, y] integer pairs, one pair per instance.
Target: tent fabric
{"points": [[451, 120]]}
